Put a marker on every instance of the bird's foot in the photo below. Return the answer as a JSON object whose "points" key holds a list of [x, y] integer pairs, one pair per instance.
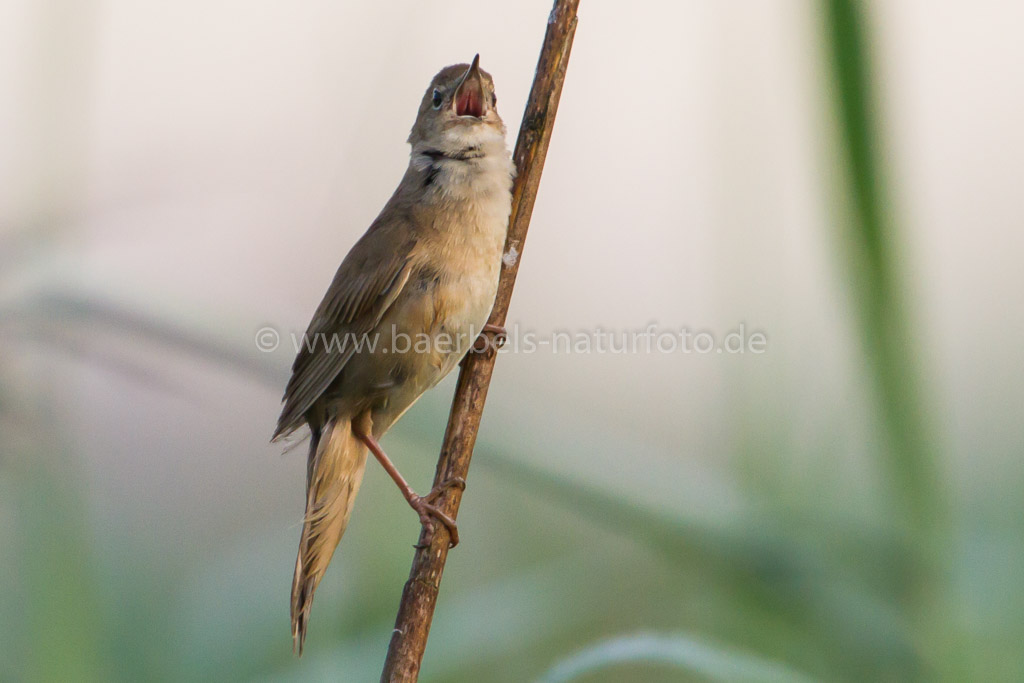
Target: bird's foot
{"points": [[425, 508], [454, 482], [491, 338], [423, 505]]}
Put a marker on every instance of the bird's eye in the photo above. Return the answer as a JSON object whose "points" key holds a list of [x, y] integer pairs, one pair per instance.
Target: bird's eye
{"points": [[438, 98], [494, 99]]}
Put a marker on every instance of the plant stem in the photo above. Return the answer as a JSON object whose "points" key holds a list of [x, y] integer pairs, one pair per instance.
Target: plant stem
{"points": [[412, 625]]}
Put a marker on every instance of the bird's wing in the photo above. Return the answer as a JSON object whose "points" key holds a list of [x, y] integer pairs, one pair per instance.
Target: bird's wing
{"points": [[366, 284]]}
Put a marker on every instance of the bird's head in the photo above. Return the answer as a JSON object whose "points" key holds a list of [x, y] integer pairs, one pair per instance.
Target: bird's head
{"points": [[458, 110]]}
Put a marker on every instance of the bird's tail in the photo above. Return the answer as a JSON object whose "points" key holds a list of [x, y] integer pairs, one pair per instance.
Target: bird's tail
{"points": [[335, 470]]}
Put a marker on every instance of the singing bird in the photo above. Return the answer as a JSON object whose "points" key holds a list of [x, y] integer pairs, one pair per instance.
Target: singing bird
{"points": [[426, 269]]}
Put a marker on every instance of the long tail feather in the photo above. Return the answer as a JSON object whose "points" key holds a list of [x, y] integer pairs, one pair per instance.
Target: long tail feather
{"points": [[336, 465]]}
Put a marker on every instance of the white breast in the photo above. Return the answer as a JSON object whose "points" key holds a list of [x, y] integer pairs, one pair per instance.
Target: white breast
{"points": [[474, 250]]}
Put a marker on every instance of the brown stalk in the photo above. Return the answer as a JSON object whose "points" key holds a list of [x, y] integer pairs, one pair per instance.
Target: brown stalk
{"points": [[412, 625]]}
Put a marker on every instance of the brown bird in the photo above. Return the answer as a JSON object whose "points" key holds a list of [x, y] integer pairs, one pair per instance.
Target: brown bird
{"points": [[405, 306]]}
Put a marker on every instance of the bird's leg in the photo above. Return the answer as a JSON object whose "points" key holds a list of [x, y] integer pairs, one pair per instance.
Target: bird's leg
{"points": [[423, 505]]}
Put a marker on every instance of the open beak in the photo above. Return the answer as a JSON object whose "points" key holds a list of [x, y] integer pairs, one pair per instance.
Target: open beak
{"points": [[470, 98]]}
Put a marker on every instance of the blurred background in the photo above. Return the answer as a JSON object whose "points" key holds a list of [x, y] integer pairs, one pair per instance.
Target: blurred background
{"points": [[842, 176]]}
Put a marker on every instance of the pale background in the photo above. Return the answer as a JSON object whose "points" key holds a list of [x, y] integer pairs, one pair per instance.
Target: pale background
{"points": [[174, 176]]}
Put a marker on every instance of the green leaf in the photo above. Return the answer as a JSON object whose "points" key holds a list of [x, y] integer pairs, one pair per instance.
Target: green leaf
{"points": [[673, 650]]}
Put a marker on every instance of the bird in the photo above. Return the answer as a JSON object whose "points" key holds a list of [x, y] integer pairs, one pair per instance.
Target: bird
{"points": [[407, 303]]}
